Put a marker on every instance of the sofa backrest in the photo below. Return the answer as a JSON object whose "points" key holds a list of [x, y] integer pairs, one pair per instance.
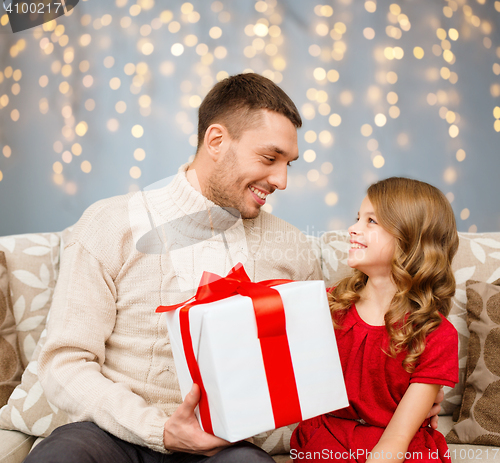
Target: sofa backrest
{"points": [[33, 265]]}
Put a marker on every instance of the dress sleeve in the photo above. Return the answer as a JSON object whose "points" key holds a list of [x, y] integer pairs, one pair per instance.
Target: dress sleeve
{"points": [[438, 364]]}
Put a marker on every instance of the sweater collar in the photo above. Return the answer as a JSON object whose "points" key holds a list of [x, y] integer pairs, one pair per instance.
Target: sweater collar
{"points": [[178, 203]]}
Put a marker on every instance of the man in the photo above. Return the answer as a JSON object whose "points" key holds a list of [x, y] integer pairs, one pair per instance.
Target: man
{"points": [[107, 361]]}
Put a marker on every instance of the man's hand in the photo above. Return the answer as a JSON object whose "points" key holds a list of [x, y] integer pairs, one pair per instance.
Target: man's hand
{"points": [[436, 408], [182, 432]]}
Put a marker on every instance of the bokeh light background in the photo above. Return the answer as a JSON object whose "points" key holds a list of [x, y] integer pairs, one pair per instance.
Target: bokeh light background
{"points": [[104, 101]]}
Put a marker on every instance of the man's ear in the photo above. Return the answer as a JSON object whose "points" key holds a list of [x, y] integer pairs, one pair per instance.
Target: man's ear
{"points": [[216, 140]]}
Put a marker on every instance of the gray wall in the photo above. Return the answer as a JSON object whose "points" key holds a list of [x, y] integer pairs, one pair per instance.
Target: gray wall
{"points": [[417, 143]]}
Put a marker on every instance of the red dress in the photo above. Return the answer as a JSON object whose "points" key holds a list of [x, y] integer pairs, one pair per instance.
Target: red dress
{"points": [[375, 385]]}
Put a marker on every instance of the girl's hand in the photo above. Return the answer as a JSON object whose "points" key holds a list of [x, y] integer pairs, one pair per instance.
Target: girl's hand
{"points": [[436, 408], [407, 419]]}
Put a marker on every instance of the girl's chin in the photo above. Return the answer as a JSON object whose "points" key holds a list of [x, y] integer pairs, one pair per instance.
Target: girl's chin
{"points": [[353, 263]]}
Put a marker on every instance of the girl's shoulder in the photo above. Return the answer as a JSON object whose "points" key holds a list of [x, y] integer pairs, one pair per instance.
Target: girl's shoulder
{"points": [[444, 330], [446, 325], [438, 363]]}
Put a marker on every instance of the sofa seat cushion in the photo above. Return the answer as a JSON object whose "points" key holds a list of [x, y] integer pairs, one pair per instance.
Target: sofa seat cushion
{"points": [[467, 453], [14, 446]]}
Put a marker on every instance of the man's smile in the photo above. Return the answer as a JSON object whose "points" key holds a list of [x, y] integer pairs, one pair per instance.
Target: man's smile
{"points": [[260, 195]]}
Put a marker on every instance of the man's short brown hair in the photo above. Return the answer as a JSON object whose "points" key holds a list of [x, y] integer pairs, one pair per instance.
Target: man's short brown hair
{"points": [[235, 103]]}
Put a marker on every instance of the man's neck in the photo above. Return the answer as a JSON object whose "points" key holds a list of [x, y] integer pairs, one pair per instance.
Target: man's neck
{"points": [[197, 173]]}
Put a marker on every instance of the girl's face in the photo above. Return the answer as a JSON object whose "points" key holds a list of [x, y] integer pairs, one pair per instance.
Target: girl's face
{"points": [[372, 247]]}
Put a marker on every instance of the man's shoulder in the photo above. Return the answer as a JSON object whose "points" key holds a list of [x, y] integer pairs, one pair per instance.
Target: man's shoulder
{"points": [[105, 218], [104, 207]]}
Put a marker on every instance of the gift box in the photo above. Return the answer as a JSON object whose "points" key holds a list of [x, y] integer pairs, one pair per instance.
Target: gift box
{"points": [[264, 354]]}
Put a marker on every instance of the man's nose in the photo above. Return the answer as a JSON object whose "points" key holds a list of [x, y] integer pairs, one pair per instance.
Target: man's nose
{"points": [[279, 177]]}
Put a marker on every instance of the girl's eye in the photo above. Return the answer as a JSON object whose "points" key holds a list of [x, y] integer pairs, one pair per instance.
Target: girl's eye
{"points": [[371, 221]]}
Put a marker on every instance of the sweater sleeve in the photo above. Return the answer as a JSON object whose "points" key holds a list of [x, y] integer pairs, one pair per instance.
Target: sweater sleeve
{"points": [[81, 319]]}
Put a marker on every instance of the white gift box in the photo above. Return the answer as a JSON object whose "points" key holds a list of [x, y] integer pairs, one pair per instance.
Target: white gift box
{"points": [[228, 352]]}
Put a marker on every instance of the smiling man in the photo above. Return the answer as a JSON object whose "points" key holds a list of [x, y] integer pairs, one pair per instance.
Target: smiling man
{"points": [[247, 138], [107, 360], [241, 173]]}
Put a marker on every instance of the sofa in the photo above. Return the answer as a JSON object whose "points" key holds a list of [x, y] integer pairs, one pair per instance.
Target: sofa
{"points": [[29, 266]]}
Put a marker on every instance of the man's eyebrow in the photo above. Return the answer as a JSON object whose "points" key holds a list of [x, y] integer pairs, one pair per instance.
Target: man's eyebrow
{"points": [[275, 148], [278, 150]]}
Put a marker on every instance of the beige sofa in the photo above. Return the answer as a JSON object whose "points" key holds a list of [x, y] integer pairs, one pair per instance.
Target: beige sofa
{"points": [[29, 273]]}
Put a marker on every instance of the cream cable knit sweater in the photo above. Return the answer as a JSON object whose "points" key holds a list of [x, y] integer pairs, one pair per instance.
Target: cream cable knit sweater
{"points": [[107, 358]]}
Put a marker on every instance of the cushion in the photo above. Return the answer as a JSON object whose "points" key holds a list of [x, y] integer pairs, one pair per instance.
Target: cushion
{"points": [[28, 410], [33, 264], [479, 419], [10, 360], [275, 442], [478, 259], [14, 446]]}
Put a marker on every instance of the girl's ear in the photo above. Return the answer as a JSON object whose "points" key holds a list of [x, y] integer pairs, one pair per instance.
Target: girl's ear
{"points": [[216, 139]]}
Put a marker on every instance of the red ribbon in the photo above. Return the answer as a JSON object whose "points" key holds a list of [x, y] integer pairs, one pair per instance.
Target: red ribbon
{"points": [[271, 330]]}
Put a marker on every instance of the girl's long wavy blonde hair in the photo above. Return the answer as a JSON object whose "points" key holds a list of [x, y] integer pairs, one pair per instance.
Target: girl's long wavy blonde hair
{"points": [[421, 220]]}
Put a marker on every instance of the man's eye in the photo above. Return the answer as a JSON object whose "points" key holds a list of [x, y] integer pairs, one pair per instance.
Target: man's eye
{"points": [[267, 158]]}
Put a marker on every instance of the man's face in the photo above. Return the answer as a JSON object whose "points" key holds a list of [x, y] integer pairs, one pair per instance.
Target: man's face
{"points": [[254, 166]]}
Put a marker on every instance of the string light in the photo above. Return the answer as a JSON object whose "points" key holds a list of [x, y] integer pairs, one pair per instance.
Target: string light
{"points": [[137, 131], [309, 155], [327, 168], [139, 154], [378, 161], [310, 136], [366, 130], [7, 151], [135, 172], [86, 167], [331, 198]]}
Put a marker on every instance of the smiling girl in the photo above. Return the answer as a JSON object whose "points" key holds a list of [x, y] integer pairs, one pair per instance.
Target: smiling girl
{"points": [[395, 344]]}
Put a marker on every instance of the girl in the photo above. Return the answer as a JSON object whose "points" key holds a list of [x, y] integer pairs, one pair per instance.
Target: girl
{"points": [[395, 345]]}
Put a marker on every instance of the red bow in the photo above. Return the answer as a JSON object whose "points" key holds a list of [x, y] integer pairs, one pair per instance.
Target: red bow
{"points": [[271, 329]]}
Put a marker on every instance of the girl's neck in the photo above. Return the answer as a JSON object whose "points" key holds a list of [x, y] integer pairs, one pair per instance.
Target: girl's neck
{"points": [[375, 300]]}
